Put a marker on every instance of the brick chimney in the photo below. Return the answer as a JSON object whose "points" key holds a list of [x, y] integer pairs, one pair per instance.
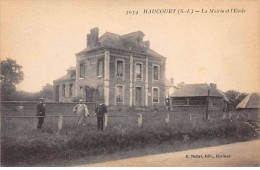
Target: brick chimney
{"points": [[213, 85], [92, 38]]}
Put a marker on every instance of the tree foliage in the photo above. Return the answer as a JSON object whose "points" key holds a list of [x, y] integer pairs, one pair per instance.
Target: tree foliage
{"points": [[235, 96], [47, 91], [13, 75]]}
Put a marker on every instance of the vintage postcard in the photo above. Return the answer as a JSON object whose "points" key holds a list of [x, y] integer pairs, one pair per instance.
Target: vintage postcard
{"points": [[112, 83]]}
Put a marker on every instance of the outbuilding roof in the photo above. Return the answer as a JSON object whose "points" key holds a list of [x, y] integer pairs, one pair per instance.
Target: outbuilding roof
{"points": [[251, 101], [198, 90]]}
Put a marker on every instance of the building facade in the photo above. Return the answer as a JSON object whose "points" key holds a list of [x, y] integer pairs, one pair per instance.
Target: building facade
{"points": [[64, 87], [120, 70]]}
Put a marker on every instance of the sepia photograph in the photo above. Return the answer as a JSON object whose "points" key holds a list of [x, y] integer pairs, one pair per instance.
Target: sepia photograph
{"points": [[112, 83]]}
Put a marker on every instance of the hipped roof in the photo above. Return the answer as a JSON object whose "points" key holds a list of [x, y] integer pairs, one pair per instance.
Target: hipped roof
{"points": [[251, 101], [198, 90], [116, 41]]}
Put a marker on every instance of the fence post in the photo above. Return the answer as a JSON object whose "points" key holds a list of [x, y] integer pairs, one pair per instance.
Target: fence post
{"points": [[167, 119], [60, 122], [106, 120], [140, 120], [207, 106], [224, 116], [170, 104], [230, 115]]}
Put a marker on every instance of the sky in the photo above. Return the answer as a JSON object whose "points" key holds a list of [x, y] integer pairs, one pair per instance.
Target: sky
{"points": [[44, 35]]}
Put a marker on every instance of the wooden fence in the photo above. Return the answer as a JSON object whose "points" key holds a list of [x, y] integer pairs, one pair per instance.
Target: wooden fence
{"points": [[164, 118]]}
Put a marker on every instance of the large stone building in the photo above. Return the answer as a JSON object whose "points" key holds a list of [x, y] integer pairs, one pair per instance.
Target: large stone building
{"points": [[121, 70]]}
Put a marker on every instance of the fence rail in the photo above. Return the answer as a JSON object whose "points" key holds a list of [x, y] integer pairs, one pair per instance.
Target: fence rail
{"points": [[140, 118]]}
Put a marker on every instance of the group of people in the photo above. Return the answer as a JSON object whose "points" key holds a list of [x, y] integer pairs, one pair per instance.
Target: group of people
{"points": [[81, 110]]}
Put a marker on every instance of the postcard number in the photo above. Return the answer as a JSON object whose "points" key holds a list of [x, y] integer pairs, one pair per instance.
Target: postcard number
{"points": [[131, 12]]}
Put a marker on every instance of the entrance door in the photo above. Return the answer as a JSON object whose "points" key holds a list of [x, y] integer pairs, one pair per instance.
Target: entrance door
{"points": [[138, 96], [89, 94]]}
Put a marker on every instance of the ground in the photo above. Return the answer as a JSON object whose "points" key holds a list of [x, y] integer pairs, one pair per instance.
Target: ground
{"points": [[122, 138], [231, 155]]}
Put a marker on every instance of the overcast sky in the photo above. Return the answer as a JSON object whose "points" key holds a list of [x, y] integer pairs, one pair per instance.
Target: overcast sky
{"points": [[44, 35]]}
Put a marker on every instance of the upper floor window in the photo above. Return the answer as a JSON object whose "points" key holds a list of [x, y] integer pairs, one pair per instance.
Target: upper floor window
{"points": [[119, 68], [139, 71], [100, 68], [63, 90], [155, 95], [71, 89], [119, 94], [81, 70], [156, 72]]}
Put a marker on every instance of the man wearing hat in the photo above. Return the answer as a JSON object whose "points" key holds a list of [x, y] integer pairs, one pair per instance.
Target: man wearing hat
{"points": [[100, 111], [40, 113], [82, 111]]}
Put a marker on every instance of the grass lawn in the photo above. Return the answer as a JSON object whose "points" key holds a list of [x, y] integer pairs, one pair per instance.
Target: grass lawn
{"points": [[23, 145]]}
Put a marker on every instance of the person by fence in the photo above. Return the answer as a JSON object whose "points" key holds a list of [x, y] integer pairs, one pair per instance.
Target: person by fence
{"points": [[82, 111], [100, 111], [40, 113]]}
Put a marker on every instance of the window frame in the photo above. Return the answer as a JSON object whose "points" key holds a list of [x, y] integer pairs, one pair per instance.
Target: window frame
{"points": [[81, 92], [82, 72], [71, 90], [156, 65], [119, 77], [123, 94], [64, 90], [142, 71], [158, 94], [102, 74]]}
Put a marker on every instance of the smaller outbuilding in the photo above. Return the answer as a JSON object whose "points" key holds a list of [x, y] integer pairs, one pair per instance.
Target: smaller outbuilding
{"points": [[196, 95], [251, 101], [249, 107]]}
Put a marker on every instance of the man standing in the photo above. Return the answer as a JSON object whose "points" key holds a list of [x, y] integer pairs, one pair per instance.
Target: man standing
{"points": [[40, 113], [100, 111], [82, 111]]}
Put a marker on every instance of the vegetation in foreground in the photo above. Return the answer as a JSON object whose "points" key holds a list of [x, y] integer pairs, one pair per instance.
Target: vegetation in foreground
{"points": [[22, 145]]}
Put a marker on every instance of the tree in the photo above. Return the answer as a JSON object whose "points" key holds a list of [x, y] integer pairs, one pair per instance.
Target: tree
{"points": [[235, 96], [13, 75], [47, 91]]}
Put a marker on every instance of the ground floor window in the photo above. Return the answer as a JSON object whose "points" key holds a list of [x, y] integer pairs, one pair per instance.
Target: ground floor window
{"points": [[197, 101], [155, 95], [81, 92], [71, 90], [63, 90], [119, 94]]}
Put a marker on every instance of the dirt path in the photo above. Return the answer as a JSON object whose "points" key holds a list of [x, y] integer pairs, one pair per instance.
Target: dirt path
{"points": [[238, 154]]}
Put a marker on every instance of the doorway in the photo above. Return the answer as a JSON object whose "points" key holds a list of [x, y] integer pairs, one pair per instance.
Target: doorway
{"points": [[138, 96]]}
